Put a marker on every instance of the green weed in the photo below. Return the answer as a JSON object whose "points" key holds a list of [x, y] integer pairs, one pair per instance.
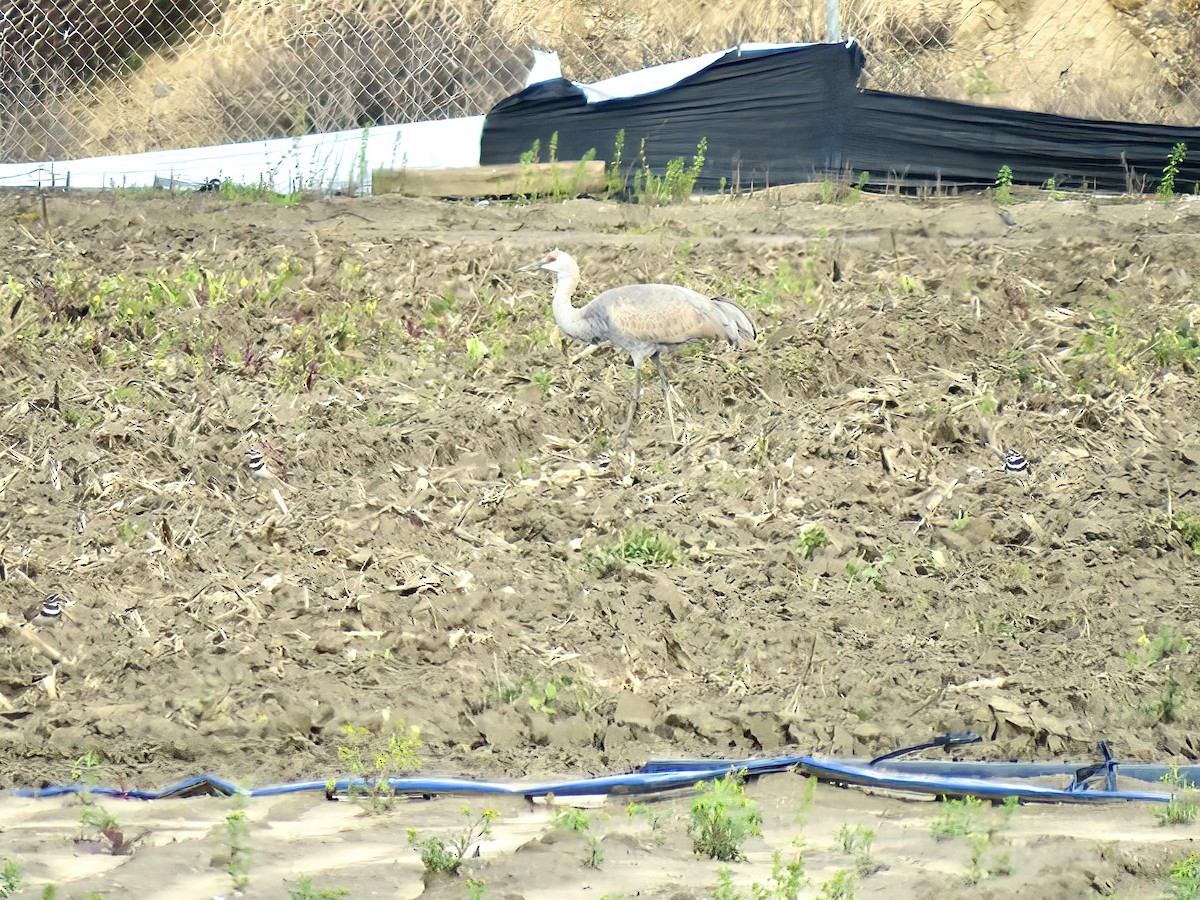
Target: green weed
{"points": [[150, 320], [787, 880], [808, 800], [1051, 188], [856, 191], [723, 818], [1004, 181], [958, 818], [476, 888], [88, 769], [1187, 523], [440, 856], [978, 845], [635, 809], [263, 191], [593, 854], [476, 349], [372, 760], [811, 538], [541, 336], [305, 891], [1185, 878], [857, 842], [99, 825], [74, 417], [1182, 808], [638, 545], [545, 701], [675, 184], [560, 189], [613, 179], [10, 878], [95, 822], [1167, 643], [771, 291], [1166, 187], [980, 824], [842, 886], [237, 831], [1111, 345], [1169, 704], [125, 395], [542, 379], [1178, 346], [559, 693], [843, 190], [980, 84], [441, 306], [531, 156], [128, 531], [859, 573], [571, 819], [335, 343], [725, 889]]}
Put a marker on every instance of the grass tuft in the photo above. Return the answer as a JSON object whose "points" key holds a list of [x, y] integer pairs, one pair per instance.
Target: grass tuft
{"points": [[640, 546], [723, 818]]}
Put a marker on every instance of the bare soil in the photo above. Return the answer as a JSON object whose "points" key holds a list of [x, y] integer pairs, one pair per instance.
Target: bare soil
{"points": [[432, 552], [1056, 853]]}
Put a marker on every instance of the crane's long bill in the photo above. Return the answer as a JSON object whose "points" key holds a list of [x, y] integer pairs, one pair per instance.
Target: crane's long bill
{"points": [[531, 266]]}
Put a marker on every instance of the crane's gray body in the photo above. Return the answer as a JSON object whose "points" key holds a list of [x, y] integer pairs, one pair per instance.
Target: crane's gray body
{"points": [[644, 320]]}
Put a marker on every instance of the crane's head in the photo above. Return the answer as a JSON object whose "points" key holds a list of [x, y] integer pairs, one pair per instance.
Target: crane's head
{"points": [[554, 261]]}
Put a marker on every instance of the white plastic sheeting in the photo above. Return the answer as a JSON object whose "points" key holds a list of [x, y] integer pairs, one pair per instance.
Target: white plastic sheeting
{"points": [[335, 161], [657, 78]]}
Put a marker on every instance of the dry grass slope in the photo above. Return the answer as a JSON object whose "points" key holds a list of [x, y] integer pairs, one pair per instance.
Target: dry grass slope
{"points": [[162, 73]]}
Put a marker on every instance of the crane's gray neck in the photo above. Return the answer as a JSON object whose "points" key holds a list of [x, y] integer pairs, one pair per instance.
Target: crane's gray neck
{"points": [[569, 319]]}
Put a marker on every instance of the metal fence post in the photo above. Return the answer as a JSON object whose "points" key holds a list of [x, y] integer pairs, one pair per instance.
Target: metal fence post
{"points": [[833, 21]]}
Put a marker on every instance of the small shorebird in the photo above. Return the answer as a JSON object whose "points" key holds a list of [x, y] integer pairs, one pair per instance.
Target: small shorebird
{"points": [[257, 464], [1014, 461], [48, 613]]}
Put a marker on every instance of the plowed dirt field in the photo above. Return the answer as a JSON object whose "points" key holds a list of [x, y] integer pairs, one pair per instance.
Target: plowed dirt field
{"points": [[450, 537]]}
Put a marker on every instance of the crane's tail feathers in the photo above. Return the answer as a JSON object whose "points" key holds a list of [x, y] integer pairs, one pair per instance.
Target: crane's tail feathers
{"points": [[739, 328]]}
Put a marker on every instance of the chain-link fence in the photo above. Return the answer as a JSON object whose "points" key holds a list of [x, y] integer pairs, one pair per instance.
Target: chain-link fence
{"points": [[92, 77]]}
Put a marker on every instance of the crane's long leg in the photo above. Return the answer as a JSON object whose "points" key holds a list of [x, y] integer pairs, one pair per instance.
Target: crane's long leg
{"points": [[633, 401], [662, 374]]}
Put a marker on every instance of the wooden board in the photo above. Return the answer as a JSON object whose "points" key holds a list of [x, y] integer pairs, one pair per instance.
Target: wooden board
{"points": [[564, 178]]}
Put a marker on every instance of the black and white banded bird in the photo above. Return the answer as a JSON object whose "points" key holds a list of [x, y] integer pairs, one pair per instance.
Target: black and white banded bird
{"points": [[257, 464], [48, 613], [1014, 461]]}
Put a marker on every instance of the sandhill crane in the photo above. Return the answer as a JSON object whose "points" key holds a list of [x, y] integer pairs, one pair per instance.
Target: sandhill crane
{"points": [[644, 320]]}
